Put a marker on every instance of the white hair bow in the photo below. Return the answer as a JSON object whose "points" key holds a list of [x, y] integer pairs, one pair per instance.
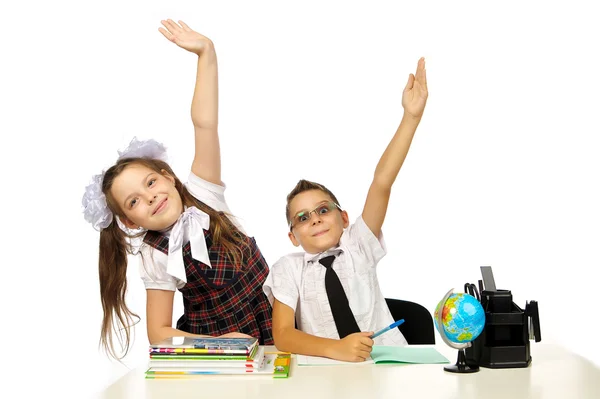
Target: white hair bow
{"points": [[95, 209]]}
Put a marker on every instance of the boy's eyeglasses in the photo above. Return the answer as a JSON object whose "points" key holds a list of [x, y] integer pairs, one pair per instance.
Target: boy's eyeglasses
{"points": [[303, 217]]}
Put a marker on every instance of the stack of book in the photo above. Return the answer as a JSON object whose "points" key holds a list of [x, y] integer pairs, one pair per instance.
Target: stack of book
{"points": [[185, 357]]}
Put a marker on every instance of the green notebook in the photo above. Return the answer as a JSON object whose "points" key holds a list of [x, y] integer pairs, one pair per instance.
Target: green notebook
{"points": [[383, 355], [406, 354]]}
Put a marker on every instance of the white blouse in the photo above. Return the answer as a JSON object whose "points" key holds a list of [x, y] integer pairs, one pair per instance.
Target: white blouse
{"points": [[167, 272]]}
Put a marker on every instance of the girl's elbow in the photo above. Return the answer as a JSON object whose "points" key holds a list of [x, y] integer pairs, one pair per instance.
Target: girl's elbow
{"points": [[155, 335]]}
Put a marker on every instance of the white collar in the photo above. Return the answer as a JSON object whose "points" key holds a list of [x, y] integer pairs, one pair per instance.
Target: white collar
{"points": [[189, 227], [308, 258]]}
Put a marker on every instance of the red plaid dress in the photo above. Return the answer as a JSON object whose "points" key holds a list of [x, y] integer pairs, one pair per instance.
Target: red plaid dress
{"points": [[220, 300]]}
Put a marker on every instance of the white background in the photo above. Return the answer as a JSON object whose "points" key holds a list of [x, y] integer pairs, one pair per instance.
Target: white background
{"points": [[503, 170]]}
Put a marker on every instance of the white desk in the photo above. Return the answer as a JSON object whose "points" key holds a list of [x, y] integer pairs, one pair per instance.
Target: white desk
{"points": [[553, 373]]}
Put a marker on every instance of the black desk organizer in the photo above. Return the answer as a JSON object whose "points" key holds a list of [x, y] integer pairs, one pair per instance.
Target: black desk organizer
{"points": [[504, 341]]}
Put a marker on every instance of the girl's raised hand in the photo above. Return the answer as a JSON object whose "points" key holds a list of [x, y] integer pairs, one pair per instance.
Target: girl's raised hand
{"points": [[415, 93], [181, 34]]}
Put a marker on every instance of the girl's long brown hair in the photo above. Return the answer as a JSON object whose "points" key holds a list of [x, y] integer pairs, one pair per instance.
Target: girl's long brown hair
{"points": [[114, 247]]}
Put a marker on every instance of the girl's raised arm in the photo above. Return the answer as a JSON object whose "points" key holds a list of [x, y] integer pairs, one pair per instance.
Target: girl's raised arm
{"points": [[204, 110]]}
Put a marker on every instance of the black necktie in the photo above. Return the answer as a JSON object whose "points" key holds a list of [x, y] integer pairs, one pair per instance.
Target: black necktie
{"points": [[340, 308]]}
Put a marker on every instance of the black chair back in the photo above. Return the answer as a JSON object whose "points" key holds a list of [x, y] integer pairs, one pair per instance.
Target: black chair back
{"points": [[418, 327]]}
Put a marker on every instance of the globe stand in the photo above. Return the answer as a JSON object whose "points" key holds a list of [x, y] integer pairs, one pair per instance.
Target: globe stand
{"points": [[461, 365]]}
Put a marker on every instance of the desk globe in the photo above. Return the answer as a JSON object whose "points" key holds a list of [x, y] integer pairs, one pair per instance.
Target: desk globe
{"points": [[459, 318]]}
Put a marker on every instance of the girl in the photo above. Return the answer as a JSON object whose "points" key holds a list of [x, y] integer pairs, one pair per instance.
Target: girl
{"points": [[189, 240]]}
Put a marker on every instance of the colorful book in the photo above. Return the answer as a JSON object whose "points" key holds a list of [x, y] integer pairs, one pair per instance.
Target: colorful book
{"points": [[280, 362], [276, 364], [206, 346], [202, 362], [200, 356], [184, 356]]}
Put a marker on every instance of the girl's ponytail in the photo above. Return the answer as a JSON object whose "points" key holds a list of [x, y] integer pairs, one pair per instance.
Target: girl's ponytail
{"points": [[112, 271]]}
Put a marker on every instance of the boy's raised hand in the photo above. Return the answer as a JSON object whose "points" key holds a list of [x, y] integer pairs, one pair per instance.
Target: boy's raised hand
{"points": [[415, 93], [353, 348], [184, 37]]}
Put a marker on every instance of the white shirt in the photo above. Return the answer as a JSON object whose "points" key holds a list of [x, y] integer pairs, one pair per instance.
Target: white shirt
{"points": [[153, 263], [298, 281]]}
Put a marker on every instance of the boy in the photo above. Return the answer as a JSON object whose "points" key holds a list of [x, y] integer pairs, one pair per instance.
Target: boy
{"points": [[331, 291]]}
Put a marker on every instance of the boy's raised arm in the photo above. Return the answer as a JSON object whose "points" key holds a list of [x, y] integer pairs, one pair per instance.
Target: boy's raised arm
{"points": [[414, 98], [204, 109]]}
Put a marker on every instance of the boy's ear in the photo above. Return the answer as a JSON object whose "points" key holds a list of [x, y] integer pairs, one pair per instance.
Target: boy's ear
{"points": [[293, 239], [345, 218], [128, 223]]}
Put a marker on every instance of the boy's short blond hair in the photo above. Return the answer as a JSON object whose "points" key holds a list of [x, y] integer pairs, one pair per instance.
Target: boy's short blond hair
{"points": [[305, 185]]}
